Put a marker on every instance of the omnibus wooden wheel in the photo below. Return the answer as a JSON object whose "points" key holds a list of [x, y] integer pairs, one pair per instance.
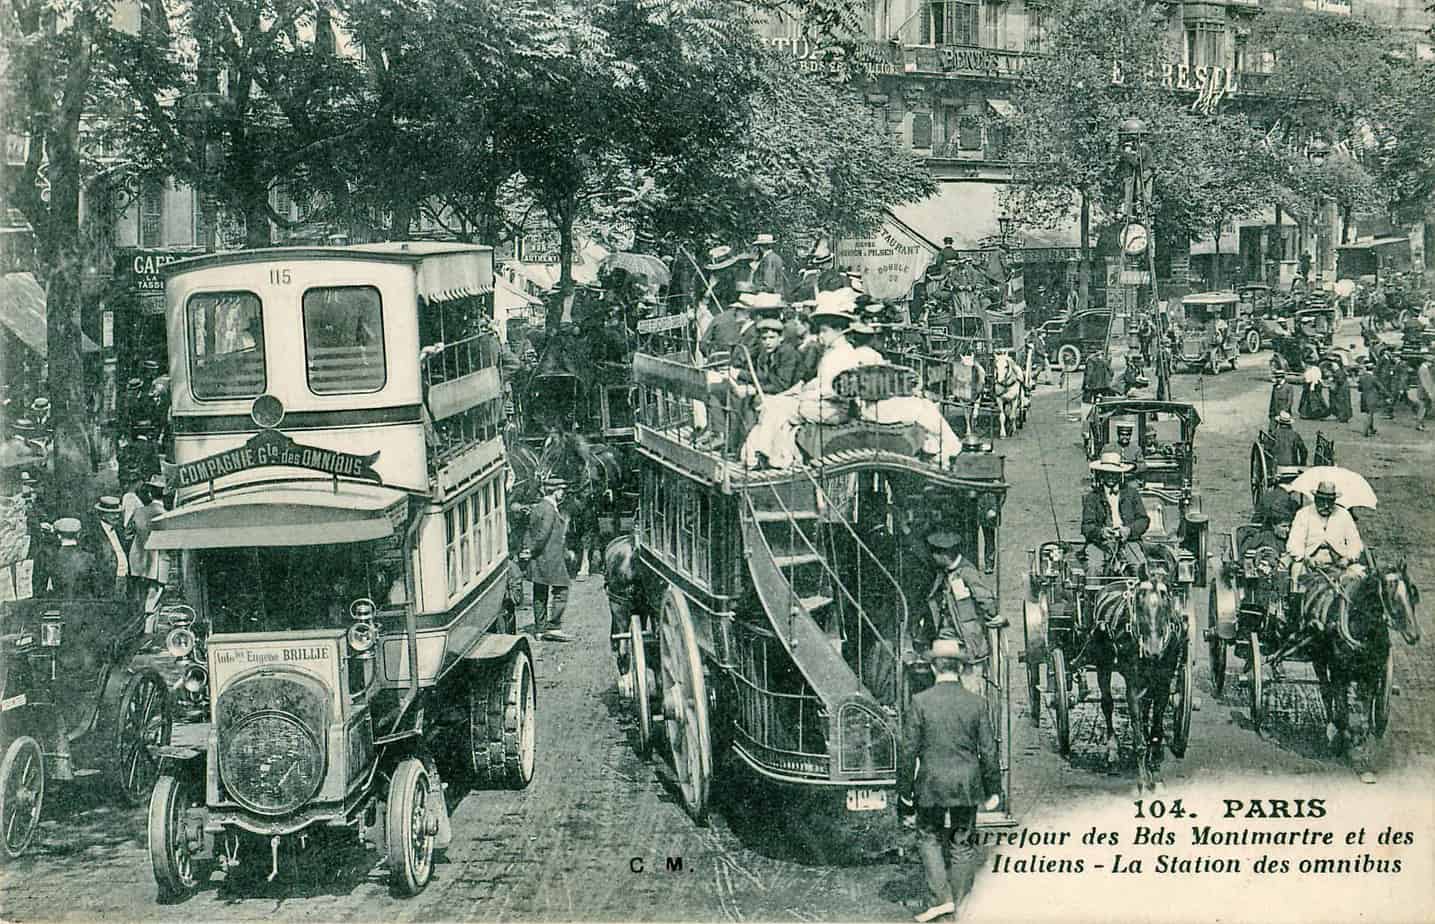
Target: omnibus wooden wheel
{"points": [[642, 694], [22, 794], [685, 703]]}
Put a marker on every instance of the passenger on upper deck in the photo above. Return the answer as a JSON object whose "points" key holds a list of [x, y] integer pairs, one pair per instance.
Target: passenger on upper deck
{"points": [[773, 442]]}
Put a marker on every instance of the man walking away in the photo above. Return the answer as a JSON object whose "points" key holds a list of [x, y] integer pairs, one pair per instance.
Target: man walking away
{"points": [[1372, 396], [544, 549], [949, 768]]}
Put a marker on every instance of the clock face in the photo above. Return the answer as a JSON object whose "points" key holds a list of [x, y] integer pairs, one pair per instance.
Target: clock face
{"points": [[1134, 239]]}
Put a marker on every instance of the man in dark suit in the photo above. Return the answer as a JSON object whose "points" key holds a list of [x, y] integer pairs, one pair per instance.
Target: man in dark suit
{"points": [[1282, 396], [75, 575], [1113, 516], [949, 768], [1289, 449], [544, 548], [724, 334], [959, 604]]}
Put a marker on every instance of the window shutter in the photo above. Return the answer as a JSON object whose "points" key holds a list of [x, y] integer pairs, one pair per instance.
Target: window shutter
{"points": [[921, 130]]}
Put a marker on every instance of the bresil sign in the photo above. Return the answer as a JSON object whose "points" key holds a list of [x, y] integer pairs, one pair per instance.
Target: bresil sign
{"points": [[270, 447]]}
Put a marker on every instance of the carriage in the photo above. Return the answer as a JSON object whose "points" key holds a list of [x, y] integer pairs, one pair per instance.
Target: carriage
{"points": [[1248, 612], [1082, 335], [1211, 332], [1165, 434], [351, 607], [1265, 474], [1005, 399], [75, 700], [771, 612]]}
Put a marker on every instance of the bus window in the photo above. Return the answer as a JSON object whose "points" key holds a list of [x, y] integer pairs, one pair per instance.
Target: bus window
{"points": [[226, 345], [344, 339]]}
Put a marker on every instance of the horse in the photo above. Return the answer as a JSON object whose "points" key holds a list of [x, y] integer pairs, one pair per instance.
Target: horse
{"points": [[621, 584], [967, 382], [1009, 387], [1140, 633], [1352, 623], [595, 478]]}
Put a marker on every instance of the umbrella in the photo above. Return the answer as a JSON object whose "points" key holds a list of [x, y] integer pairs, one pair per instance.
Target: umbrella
{"points": [[1351, 489], [640, 264]]}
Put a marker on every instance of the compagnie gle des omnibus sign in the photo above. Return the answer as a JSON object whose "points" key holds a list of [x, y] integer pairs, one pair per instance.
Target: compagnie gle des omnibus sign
{"points": [[270, 447]]}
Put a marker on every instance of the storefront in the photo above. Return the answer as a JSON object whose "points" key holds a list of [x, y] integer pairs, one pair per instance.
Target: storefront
{"points": [[132, 320]]}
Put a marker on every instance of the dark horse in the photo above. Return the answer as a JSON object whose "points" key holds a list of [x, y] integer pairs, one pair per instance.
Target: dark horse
{"points": [[1139, 632], [593, 474], [1354, 642]]}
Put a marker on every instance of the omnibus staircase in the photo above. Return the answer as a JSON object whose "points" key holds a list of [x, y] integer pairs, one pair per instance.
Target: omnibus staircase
{"points": [[790, 534]]}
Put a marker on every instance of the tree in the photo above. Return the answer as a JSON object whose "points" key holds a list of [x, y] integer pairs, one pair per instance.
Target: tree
{"points": [[68, 71]]}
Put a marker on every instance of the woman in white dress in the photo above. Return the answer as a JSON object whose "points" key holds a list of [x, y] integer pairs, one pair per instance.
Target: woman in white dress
{"points": [[774, 440]]}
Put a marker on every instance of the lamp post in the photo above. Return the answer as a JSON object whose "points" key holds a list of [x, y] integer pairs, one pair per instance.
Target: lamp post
{"points": [[1317, 153], [201, 113], [1138, 177]]}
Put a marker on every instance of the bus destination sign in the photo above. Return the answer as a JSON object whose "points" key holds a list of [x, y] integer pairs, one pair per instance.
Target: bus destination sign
{"points": [[270, 447]]}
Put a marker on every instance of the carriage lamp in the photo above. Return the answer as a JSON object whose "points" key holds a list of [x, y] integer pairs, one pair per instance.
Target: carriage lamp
{"points": [[1250, 562], [52, 623], [361, 634], [195, 679], [180, 641], [1186, 569], [988, 504]]}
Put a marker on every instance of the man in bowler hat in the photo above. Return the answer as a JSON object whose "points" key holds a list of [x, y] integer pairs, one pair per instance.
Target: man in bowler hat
{"points": [[949, 769], [960, 605], [544, 548]]}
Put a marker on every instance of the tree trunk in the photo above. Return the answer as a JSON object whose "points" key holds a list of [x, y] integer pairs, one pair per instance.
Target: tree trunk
{"points": [[401, 217], [73, 458], [558, 309], [256, 222], [1084, 279], [1216, 261]]}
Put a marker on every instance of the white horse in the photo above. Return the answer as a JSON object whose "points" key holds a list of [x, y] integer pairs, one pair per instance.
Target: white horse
{"points": [[1009, 387]]}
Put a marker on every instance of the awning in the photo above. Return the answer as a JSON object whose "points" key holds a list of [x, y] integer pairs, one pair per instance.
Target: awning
{"points": [[1003, 108], [968, 212], [290, 516], [22, 310]]}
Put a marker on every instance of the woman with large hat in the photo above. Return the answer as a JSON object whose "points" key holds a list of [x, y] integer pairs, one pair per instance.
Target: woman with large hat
{"points": [[1113, 516], [773, 442]]}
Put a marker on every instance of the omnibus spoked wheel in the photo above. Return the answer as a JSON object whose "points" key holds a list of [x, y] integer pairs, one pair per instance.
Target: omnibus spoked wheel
{"points": [[638, 670], [685, 704]]}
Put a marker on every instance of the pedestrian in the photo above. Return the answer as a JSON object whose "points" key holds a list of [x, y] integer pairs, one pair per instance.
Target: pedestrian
{"points": [[114, 560], [1288, 449], [770, 273], [544, 548], [1339, 393], [1282, 396], [949, 768], [149, 569], [1372, 395], [959, 604], [75, 573]]}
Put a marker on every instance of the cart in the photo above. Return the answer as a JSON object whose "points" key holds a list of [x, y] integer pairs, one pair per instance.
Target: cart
{"points": [[1265, 474], [74, 701], [1210, 336]]}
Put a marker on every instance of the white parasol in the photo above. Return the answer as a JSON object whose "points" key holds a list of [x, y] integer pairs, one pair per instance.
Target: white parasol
{"points": [[1351, 488]]}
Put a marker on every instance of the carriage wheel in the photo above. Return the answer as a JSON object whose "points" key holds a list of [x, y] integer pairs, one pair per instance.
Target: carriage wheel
{"points": [[1183, 685], [1258, 701], [1032, 627], [1379, 715], [685, 703], [1068, 357], [1215, 645], [1253, 341], [144, 723], [1061, 703], [1260, 473], [638, 670], [22, 794]]}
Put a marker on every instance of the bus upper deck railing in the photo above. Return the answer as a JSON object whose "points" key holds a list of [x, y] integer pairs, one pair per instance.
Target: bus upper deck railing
{"points": [[450, 361]]}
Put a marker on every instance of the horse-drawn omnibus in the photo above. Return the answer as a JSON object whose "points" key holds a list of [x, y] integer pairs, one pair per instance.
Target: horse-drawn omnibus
{"points": [[773, 613], [340, 528]]}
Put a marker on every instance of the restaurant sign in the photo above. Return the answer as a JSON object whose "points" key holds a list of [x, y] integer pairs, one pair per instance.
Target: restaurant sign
{"points": [[270, 447], [870, 59], [890, 260]]}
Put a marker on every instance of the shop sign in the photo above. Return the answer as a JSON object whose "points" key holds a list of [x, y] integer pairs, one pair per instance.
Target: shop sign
{"points": [[17, 148], [139, 271], [1213, 80], [662, 323], [871, 59], [890, 261], [270, 447], [1337, 7]]}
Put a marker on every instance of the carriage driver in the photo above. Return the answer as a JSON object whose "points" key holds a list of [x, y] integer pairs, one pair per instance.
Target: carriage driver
{"points": [[1316, 531], [1113, 516]]}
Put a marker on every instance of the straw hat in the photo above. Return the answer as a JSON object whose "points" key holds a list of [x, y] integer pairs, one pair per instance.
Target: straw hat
{"points": [[764, 240], [1110, 461], [68, 529], [721, 258], [951, 648], [108, 504], [1284, 418]]}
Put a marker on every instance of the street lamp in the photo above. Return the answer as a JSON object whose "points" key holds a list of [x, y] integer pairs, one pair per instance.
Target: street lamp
{"points": [[200, 112], [1317, 153], [1138, 179]]}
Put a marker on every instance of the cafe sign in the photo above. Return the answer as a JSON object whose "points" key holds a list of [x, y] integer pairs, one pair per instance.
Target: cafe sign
{"points": [[139, 270], [270, 447]]}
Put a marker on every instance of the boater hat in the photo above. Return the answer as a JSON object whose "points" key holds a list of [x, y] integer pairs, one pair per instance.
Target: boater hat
{"points": [[1110, 461], [951, 648], [721, 258], [1284, 417], [764, 240], [107, 504]]}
